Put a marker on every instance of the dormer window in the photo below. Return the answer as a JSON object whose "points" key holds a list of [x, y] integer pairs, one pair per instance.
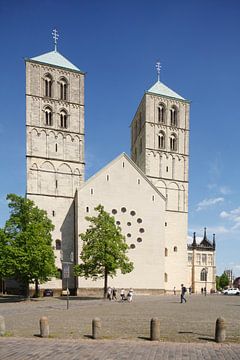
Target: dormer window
{"points": [[48, 86]]}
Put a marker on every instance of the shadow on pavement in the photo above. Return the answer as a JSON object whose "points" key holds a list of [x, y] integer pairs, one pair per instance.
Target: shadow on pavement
{"points": [[12, 298]]}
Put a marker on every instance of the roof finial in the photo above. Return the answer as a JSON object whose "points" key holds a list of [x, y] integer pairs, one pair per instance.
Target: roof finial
{"points": [[55, 37], [158, 67]]}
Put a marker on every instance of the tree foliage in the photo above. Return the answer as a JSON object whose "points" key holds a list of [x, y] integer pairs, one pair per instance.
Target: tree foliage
{"points": [[223, 281], [27, 243], [104, 249]]}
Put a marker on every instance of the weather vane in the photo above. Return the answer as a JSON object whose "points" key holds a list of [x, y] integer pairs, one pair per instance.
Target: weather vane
{"points": [[55, 38], [158, 67]]}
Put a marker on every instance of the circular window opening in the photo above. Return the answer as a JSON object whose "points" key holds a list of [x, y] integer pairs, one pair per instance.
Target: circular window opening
{"points": [[129, 224], [132, 213], [118, 222], [129, 235], [139, 220], [139, 240], [123, 209], [132, 246], [141, 230], [114, 211]]}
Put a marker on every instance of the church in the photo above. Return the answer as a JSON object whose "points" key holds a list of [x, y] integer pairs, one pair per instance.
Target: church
{"points": [[147, 193]]}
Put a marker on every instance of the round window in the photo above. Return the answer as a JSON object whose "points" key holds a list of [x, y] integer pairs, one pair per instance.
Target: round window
{"points": [[129, 224], [132, 212], [123, 209], [139, 240], [118, 223], [139, 220], [129, 235], [114, 211], [132, 246], [141, 230]]}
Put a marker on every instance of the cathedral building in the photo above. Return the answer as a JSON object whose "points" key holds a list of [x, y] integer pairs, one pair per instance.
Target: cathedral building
{"points": [[146, 193]]}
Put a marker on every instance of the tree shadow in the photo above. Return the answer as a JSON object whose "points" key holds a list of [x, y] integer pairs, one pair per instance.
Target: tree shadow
{"points": [[72, 298], [144, 338], [12, 298], [88, 336]]}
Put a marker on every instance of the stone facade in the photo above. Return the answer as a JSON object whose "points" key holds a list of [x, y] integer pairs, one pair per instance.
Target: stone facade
{"points": [[202, 265], [147, 194]]}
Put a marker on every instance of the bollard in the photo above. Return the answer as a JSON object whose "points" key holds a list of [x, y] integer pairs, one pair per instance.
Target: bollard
{"points": [[2, 326], [44, 327], [220, 331], [155, 329], [96, 328]]}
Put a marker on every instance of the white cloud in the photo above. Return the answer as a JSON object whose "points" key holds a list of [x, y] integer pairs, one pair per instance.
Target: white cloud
{"points": [[225, 190], [234, 216], [208, 202]]}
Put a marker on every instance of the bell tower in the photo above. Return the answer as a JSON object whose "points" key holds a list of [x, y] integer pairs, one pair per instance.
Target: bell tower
{"points": [[160, 147], [55, 142]]}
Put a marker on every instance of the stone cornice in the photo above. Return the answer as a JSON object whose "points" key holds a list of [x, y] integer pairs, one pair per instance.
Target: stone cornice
{"points": [[54, 159], [167, 179], [59, 130], [162, 151], [48, 100], [174, 128], [54, 196]]}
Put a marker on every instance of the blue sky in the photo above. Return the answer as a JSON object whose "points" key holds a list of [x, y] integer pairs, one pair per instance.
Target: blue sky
{"points": [[117, 44]]}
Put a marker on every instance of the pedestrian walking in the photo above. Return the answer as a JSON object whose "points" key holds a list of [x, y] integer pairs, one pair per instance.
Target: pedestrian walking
{"points": [[190, 290], [114, 294], [174, 290], [109, 293], [122, 294], [130, 295], [183, 292]]}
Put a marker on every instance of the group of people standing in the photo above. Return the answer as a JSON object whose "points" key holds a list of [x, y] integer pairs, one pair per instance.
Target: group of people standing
{"points": [[112, 294]]}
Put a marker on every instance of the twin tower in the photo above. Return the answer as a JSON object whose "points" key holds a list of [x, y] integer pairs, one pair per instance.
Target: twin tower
{"points": [[147, 194]]}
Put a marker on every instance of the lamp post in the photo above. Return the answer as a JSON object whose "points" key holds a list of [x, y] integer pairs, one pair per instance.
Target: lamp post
{"points": [[206, 274], [66, 271]]}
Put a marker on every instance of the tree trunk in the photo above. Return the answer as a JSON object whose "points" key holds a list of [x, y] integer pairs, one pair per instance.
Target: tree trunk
{"points": [[27, 291], [105, 282], [36, 294]]}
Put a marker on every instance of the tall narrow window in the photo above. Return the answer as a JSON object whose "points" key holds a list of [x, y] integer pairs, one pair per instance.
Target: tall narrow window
{"points": [[203, 275], [161, 140], [63, 89], [173, 142], [161, 113], [63, 119], [48, 116], [173, 116], [48, 86]]}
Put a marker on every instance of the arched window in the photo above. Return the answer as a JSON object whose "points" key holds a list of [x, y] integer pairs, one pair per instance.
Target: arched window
{"points": [[161, 113], [58, 244], [48, 85], [166, 252], [203, 275], [165, 277], [63, 89], [59, 274], [63, 119], [173, 116], [48, 116], [175, 249], [161, 140], [173, 142]]}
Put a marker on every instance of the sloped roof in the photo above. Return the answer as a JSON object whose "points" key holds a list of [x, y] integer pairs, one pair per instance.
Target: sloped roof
{"points": [[55, 58], [126, 157], [160, 89]]}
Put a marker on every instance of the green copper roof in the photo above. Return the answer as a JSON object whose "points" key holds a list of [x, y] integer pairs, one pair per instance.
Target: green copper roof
{"points": [[55, 58], [160, 89]]}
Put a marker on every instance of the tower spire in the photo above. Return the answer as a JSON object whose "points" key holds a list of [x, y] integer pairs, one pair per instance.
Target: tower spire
{"points": [[55, 38], [158, 67]]}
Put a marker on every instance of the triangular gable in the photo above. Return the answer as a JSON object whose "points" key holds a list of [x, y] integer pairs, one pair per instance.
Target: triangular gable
{"points": [[111, 163]]}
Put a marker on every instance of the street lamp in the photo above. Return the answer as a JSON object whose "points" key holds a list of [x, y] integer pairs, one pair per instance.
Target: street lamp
{"points": [[66, 271]]}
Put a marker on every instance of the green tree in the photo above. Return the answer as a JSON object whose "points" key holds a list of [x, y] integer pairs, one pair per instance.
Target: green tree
{"points": [[104, 249], [223, 281], [27, 243], [218, 287]]}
